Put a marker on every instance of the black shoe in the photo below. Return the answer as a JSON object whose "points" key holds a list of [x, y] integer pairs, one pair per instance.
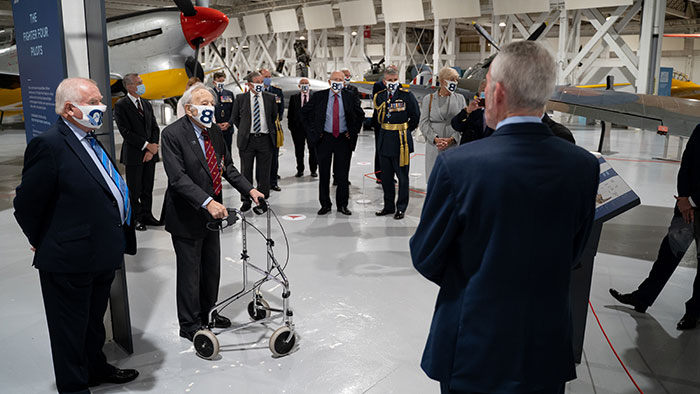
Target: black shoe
{"points": [[628, 299], [118, 376], [276, 188], [299, 174], [688, 322], [349, 183], [324, 210], [344, 211], [384, 212], [335, 183], [187, 334], [246, 206], [140, 226], [279, 177], [220, 321], [398, 215], [151, 221], [314, 174]]}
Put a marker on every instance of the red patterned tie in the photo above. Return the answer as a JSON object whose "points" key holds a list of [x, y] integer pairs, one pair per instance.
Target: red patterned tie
{"points": [[211, 162], [336, 117]]}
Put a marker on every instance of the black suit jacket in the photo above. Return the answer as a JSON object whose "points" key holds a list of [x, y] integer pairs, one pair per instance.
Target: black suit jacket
{"points": [[243, 117], [135, 129], [189, 180], [471, 126], [314, 116], [295, 121], [66, 209], [688, 181], [558, 129]]}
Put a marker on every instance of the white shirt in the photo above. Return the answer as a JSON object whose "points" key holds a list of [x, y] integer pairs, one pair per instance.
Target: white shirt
{"points": [[263, 121], [133, 101], [80, 135]]}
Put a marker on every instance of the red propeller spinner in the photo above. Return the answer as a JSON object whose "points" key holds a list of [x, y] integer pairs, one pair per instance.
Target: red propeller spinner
{"points": [[203, 27]]}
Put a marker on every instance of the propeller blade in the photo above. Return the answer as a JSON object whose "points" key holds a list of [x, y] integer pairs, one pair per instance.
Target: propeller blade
{"points": [[486, 35], [369, 60], [537, 33], [221, 57], [186, 7], [380, 62]]}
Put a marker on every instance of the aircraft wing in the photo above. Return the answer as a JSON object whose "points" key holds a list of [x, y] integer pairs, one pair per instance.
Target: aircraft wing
{"points": [[656, 113]]}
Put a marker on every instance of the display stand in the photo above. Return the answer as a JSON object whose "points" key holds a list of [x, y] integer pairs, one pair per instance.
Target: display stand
{"points": [[614, 198]]}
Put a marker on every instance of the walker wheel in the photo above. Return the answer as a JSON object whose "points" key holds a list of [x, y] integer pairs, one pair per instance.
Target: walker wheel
{"points": [[282, 341], [259, 309], [206, 344]]}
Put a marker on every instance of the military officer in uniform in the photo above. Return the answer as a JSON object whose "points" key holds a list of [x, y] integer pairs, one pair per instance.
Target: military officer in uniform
{"points": [[222, 110], [279, 100], [396, 115]]}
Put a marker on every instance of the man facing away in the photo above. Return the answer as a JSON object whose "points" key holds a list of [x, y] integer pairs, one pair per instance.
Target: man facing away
{"points": [[504, 222], [74, 208]]}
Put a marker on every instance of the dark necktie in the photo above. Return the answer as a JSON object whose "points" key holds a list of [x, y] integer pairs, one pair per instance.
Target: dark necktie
{"points": [[113, 173], [139, 107], [256, 115], [336, 116], [214, 169], [303, 100]]}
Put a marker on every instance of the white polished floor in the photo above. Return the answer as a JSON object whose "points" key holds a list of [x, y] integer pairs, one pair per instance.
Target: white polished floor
{"points": [[361, 311]]}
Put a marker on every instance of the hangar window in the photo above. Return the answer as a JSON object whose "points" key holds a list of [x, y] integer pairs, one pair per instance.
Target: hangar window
{"points": [[134, 37]]}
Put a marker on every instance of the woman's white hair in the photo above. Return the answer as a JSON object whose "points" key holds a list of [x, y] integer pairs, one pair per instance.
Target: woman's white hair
{"points": [[187, 96], [70, 89], [447, 73], [527, 72]]}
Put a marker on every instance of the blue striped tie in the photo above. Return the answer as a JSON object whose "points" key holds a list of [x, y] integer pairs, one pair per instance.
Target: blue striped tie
{"points": [[113, 173], [256, 115]]}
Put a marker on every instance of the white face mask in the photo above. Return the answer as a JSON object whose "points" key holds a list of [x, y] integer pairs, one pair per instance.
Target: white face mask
{"points": [[347, 81], [220, 85], [336, 86], [205, 114], [451, 86], [92, 115], [258, 87], [304, 87], [392, 86]]}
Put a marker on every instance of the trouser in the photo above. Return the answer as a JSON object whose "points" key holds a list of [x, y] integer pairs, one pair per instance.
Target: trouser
{"points": [[198, 272], [258, 153], [389, 167], [139, 179], [674, 245], [300, 141], [75, 305], [556, 389], [336, 151], [377, 160], [274, 166]]}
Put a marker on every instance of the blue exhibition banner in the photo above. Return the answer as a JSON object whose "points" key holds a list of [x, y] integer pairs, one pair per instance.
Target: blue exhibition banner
{"points": [[41, 57], [665, 81]]}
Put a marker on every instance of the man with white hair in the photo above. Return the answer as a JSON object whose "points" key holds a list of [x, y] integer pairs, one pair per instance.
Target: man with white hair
{"points": [[196, 159], [74, 208], [505, 220]]}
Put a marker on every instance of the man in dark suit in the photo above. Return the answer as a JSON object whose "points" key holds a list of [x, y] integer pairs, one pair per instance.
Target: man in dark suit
{"points": [[504, 222], [681, 233], [279, 100], [333, 119], [347, 78], [195, 159], [254, 115], [396, 115], [137, 124], [223, 108], [298, 130], [76, 217]]}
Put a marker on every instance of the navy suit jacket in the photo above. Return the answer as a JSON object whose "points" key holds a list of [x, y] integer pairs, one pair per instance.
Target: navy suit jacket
{"points": [[66, 209], [505, 220]]}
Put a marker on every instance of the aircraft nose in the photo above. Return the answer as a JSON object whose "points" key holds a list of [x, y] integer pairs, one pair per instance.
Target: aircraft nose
{"points": [[203, 27]]}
